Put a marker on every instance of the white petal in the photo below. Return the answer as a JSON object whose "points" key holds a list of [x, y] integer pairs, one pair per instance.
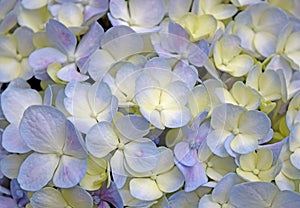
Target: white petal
{"points": [[15, 101], [207, 201], [37, 170], [137, 189], [178, 8], [70, 15], [117, 167], [77, 197], [24, 41], [253, 194], [170, 181], [215, 141], [166, 160], [244, 143], [10, 69], [47, 197], [122, 42], [69, 172], [83, 124], [101, 139], [153, 116], [265, 43], [28, 4], [10, 165], [119, 9], [99, 97], [295, 158], [141, 155]]}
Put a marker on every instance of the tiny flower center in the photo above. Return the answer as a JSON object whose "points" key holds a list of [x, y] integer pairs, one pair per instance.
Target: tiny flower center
{"points": [[153, 177], [256, 171], [121, 146], [159, 107], [19, 57], [235, 131], [209, 164], [71, 58]]}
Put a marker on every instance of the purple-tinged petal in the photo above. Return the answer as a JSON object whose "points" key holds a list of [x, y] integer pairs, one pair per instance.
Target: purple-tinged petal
{"points": [[111, 194], [185, 155], [194, 176], [103, 204], [178, 30], [69, 172], [7, 202], [90, 41], [18, 194], [198, 54], [37, 170], [40, 59], [12, 140], [43, 129], [61, 37], [74, 145]]}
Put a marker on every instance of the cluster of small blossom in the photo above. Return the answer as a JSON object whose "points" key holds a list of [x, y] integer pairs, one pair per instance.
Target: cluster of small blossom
{"points": [[167, 104]]}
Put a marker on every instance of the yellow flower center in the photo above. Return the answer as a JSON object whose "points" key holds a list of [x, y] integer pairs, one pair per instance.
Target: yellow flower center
{"points": [[209, 164], [159, 107], [121, 146], [256, 171], [153, 177], [235, 131]]}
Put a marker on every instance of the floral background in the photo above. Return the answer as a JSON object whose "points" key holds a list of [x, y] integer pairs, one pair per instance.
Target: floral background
{"points": [[149, 103]]}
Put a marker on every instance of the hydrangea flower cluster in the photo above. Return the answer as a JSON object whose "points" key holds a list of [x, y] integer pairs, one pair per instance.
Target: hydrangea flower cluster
{"points": [[157, 103]]}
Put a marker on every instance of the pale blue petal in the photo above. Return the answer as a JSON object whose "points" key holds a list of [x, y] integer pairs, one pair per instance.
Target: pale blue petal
{"points": [[141, 155], [69, 172], [117, 167], [69, 73], [185, 155], [43, 129], [101, 139], [12, 140], [37, 170]]}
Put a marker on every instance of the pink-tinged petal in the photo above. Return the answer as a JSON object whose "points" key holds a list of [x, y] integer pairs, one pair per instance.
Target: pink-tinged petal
{"points": [[74, 145], [12, 140], [185, 155], [141, 155], [69, 73], [101, 139], [61, 37], [43, 129], [69, 172], [103, 204], [37, 170], [40, 59], [90, 41], [147, 13], [194, 176], [117, 167], [20, 99]]}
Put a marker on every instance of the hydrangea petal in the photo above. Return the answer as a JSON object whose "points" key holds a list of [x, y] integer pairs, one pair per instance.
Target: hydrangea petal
{"points": [[141, 155], [9, 69], [21, 99], [117, 167], [185, 155], [77, 197], [244, 143], [178, 8], [69, 73], [265, 161], [253, 194], [99, 96], [43, 129], [248, 161], [69, 172], [119, 9], [170, 181], [265, 43], [37, 170], [174, 118], [12, 140], [40, 59], [70, 15], [147, 13], [138, 191], [295, 158], [24, 40], [166, 160], [61, 37], [286, 199], [28, 4], [48, 197], [215, 141], [207, 201], [83, 124], [101, 139], [132, 126], [10, 165], [74, 145]]}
